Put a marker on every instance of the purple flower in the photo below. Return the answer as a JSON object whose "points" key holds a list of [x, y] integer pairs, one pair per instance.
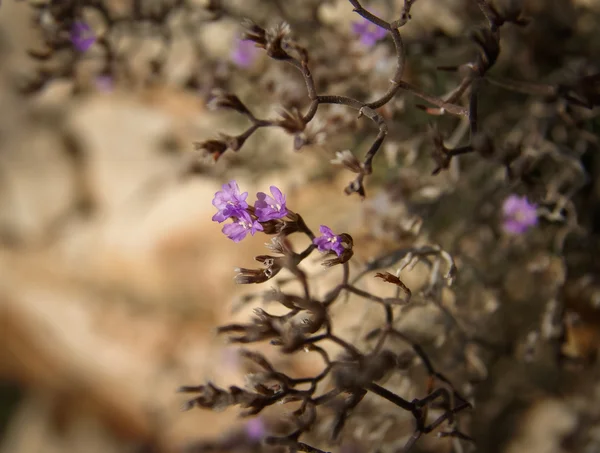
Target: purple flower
{"points": [[255, 429], [241, 226], [369, 32], [244, 53], [104, 83], [328, 241], [230, 202], [519, 214], [82, 36], [269, 208]]}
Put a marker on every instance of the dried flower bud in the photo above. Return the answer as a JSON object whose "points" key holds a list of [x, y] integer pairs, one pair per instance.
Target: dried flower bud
{"points": [[215, 398], [347, 240], [291, 120], [343, 258], [272, 226], [233, 143], [280, 245], [247, 276], [213, 148], [348, 160], [287, 300], [223, 100], [211, 397], [276, 41], [356, 186], [263, 327], [286, 228], [291, 340], [313, 134], [390, 278], [254, 33]]}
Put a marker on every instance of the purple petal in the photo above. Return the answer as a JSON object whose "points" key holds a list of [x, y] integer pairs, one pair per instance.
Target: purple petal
{"points": [[514, 227], [82, 36], [326, 231], [235, 231], [104, 83], [277, 195], [519, 214], [368, 40], [255, 429], [322, 243], [219, 217], [359, 27], [255, 226], [244, 53], [270, 208], [369, 32], [338, 248], [328, 241], [229, 202], [511, 205]]}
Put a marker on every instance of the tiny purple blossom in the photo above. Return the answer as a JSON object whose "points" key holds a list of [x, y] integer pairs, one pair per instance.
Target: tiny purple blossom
{"points": [[255, 429], [369, 32], [519, 214], [104, 83], [270, 208], [241, 226], [244, 53], [230, 202], [328, 241], [82, 36]]}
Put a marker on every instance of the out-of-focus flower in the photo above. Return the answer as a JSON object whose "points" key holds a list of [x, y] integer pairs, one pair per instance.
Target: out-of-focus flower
{"points": [[212, 148], [270, 208], [328, 241], [244, 53], [82, 36], [519, 214], [104, 83], [230, 203], [220, 99], [255, 429], [369, 32], [348, 160], [241, 226]]}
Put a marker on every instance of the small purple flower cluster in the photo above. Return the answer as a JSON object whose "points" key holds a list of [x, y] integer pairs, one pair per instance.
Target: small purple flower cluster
{"points": [[328, 241], [368, 32], [232, 204], [256, 429], [519, 215], [82, 36], [244, 53]]}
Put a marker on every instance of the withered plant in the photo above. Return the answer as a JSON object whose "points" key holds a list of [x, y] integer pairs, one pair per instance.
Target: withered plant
{"points": [[533, 136]]}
